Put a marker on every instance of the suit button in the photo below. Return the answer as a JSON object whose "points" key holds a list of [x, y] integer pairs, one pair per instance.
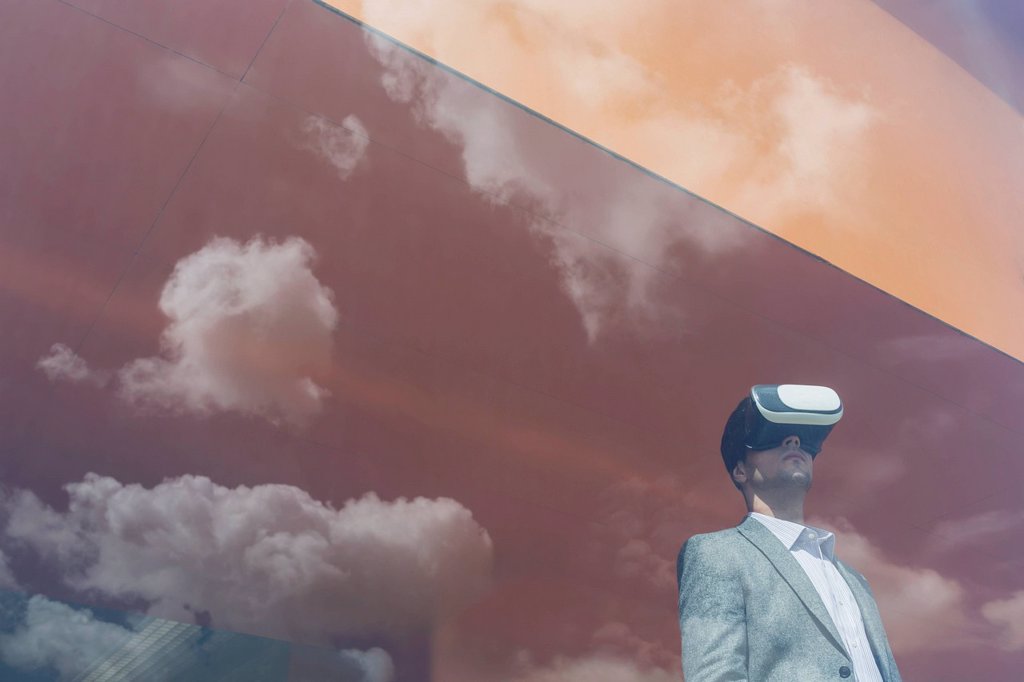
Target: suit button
{"points": [[844, 671]]}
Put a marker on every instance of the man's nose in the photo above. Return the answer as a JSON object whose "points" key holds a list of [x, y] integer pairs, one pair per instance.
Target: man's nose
{"points": [[792, 442]]}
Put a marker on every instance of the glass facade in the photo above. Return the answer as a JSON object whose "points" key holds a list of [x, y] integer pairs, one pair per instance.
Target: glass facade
{"points": [[321, 359]]}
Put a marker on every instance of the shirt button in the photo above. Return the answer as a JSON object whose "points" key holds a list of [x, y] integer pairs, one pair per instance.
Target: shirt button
{"points": [[812, 536], [844, 671]]}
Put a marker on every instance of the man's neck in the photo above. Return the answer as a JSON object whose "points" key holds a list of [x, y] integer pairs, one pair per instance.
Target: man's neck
{"points": [[791, 509]]}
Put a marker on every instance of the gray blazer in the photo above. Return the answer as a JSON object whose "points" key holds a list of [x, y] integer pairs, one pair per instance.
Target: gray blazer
{"points": [[749, 613]]}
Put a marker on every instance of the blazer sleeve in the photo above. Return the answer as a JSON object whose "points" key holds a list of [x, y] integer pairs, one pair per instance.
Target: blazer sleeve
{"points": [[712, 615]]}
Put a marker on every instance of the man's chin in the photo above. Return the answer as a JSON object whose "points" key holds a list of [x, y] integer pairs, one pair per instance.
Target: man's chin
{"points": [[799, 479]]}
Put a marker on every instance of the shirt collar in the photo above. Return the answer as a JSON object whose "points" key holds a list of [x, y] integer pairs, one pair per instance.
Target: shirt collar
{"points": [[795, 536]]}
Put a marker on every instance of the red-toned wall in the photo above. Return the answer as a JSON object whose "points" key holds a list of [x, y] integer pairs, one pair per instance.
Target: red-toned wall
{"points": [[486, 387]]}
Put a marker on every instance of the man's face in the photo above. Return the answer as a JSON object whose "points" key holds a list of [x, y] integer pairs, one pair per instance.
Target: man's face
{"points": [[786, 466]]}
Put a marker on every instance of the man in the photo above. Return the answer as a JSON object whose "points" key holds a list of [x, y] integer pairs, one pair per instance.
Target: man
{"points": [[768, 601]]}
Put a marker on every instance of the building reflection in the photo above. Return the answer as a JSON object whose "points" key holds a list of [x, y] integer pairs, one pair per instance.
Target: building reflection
{"points": [[42, 639]]}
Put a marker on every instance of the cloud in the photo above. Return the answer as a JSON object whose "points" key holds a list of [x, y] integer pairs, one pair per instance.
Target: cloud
{"points": [[922, 610], [373, 665], [857, 473], [634, 541], [638, 533], [816, 148], [50, 534], [608, 237], [979, 529], [636, 558], [178, 84], [792, 138], [63, 364], [250, 330], [313, 664], [7, 579], [55, 636], [1007, 614], [788, 136], [266, 560], [342, 146], [250, 325], [596, 668], [618, 639]]}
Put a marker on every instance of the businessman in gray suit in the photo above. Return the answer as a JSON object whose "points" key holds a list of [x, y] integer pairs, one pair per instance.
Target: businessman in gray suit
{"points": [[768, 601]]}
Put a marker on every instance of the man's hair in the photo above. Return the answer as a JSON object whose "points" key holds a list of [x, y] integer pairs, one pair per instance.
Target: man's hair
{"points": [[734, 447]]}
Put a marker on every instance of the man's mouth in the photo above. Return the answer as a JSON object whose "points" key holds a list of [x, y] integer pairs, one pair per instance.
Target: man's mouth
{"points": [[793, 455]]}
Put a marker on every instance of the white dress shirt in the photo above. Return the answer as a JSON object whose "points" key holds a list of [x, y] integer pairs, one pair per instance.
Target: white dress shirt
{"points": [[814, 550]]}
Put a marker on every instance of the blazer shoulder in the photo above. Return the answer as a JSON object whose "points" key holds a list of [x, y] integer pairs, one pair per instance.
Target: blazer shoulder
{"points": [[717, 540], [715, 546]]}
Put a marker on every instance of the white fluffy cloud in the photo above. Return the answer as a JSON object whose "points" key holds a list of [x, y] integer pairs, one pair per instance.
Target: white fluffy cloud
{"points": [[267, 560], [817, 149], [56, 636], [250, 326], [611, 239], [342, 146], [250, 331], [313, 664], [1008, 615], [374, 665], [63, 364], [791, 136], [608, 239], [922, 610]]}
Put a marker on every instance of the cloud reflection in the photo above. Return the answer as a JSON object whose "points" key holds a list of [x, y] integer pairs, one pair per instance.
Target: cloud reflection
{"points": [[342, 146], [250, 330], [267, 560], [787, 143]]}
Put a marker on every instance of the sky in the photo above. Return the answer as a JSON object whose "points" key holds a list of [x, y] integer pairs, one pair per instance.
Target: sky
{"points": [[308, 339], [985, 37]]}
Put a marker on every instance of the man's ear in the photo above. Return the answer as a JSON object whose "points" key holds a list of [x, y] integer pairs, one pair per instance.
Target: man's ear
{"points": [[739, 472]]}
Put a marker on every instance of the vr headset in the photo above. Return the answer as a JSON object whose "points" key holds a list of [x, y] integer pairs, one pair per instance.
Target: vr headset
{"points": [[775, 412]]}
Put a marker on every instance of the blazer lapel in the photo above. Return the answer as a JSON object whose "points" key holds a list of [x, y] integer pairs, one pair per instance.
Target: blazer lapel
{"points": [[869, 614], [791, 571]]}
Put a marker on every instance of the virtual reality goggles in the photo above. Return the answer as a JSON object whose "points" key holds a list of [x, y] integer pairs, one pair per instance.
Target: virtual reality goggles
{"points": [[772, 413], [776, 412]]}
